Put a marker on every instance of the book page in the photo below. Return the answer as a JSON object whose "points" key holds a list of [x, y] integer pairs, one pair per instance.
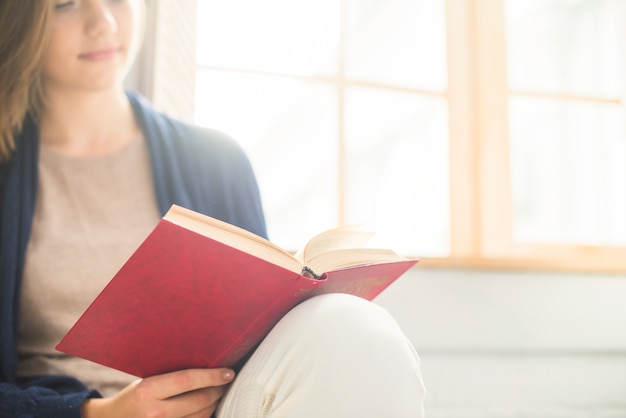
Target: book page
{"points": [[346, 237], [233, 236], [336, 248], [343, 258]]}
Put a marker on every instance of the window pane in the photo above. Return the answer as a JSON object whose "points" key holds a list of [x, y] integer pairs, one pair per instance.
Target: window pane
{"points": [[284, 36], [397, 169], [568, 172], [563, 46], [398, 42], [289, 129]]}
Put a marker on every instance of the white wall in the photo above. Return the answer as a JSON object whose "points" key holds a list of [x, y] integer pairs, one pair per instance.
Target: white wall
{"points": [[516, 345]]}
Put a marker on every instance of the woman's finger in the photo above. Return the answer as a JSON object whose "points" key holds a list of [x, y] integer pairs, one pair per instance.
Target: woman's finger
{"points": [[176, 383]]}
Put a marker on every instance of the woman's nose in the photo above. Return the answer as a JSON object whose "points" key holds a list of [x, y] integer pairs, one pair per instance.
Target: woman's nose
{"points": [[99, 19]]}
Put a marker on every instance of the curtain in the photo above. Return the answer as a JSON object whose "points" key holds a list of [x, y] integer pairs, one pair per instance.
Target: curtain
{"points": [[165, 68]]}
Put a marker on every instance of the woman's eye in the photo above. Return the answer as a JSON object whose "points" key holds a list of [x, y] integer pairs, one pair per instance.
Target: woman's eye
{"points": [[63, 5]]}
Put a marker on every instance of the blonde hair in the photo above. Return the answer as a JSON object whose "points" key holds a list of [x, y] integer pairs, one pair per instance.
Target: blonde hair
{"points": [[23, 42]]}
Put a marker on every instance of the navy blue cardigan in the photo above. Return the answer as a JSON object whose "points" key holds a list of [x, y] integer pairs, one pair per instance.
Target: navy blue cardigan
{"points": [[197, 168]]}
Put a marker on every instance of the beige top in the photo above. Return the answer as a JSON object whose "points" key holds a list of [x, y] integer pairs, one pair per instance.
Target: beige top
{"points": [[90, 215]]}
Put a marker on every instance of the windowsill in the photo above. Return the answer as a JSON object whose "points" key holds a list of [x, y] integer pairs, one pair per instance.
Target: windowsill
{"points": [[617, 267]]}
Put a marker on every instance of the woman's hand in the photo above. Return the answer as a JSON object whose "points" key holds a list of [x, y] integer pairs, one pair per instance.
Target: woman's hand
{"points": [[186, 393]]}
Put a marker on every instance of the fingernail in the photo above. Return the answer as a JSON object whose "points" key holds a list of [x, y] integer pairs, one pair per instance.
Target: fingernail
{"points": [[228, 375]]}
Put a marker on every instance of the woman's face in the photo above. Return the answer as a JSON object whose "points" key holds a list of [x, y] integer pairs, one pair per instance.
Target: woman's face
{"points": [[92, 44]]}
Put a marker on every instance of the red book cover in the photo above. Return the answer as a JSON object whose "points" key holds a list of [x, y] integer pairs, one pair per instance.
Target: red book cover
{"points": [[184, 300]]}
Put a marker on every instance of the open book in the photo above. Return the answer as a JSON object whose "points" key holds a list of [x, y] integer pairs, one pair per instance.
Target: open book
{"points": [[199, 292]]}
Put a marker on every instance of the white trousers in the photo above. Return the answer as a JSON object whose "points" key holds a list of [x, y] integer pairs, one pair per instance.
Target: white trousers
{"points": [[333, 356]]}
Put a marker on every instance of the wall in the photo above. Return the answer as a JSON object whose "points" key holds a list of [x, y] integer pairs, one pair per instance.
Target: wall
{"points": [[516, 345]]}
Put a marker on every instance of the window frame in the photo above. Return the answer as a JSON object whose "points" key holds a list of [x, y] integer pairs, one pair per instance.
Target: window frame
{"points": [[482, 231]]}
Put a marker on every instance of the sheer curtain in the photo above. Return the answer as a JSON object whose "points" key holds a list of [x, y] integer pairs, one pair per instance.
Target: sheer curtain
{"points": [[164, 70]]}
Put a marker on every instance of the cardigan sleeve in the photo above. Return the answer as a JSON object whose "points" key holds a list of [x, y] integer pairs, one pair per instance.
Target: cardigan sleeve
{"points": [[44, 397]]}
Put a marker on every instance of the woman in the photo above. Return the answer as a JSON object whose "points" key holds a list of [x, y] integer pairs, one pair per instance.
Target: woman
{"points": [[87, 171]]}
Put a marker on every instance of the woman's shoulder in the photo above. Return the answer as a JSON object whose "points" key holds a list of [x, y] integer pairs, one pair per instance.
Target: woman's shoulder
{"points": [[209, 147], [205, 137], [184, 136]]}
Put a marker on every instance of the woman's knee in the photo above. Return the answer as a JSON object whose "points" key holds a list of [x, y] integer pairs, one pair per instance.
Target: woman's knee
{"points": [[332, 355], [332, 318]]}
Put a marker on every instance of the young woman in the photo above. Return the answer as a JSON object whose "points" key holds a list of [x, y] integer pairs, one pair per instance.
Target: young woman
{"points": [[86, 171]]}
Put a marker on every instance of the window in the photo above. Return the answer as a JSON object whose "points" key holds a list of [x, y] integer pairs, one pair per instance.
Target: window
{"points": [[552, 111], [565, 122], [467, 132], [342, 120]]}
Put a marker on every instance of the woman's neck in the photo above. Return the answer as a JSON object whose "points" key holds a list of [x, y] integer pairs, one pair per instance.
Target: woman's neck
{"points": [[89, 124]]}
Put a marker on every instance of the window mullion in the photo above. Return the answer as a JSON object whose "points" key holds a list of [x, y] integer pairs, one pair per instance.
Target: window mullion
{"points": [[341, 114], [491, 111], [464, 204]]}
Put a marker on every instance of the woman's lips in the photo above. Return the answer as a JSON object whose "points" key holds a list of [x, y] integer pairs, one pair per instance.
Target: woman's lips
{"points": [[100, 54]]}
